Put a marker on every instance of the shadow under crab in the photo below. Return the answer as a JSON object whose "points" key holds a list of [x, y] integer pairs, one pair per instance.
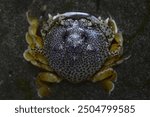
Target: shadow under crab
{"points": [[74, 46]]}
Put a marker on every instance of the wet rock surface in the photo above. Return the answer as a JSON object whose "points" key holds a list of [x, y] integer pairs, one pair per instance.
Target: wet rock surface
{"points": [[17, 76]]}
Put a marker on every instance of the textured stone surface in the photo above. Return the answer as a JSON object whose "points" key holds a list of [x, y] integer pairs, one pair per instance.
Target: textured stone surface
{"points": [[17, 76]]}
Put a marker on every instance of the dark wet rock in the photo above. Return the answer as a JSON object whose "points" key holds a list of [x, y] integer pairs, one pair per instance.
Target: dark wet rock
{"points": [[17, 76]]}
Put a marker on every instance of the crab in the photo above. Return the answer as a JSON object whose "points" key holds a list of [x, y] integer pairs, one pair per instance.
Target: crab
{"points": [[74, 46]]}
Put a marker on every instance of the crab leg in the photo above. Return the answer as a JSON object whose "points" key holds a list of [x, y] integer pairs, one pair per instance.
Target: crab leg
{"points": [[34, 53], [116, 48], [36, 59], [31, 35], [43, 89], [115, 60], [111, 23], [30, 41], [117, 41], [106, 78], [117, 44]]}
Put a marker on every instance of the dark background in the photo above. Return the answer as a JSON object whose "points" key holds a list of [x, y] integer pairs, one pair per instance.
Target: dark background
{"points": [[17, 76]]}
